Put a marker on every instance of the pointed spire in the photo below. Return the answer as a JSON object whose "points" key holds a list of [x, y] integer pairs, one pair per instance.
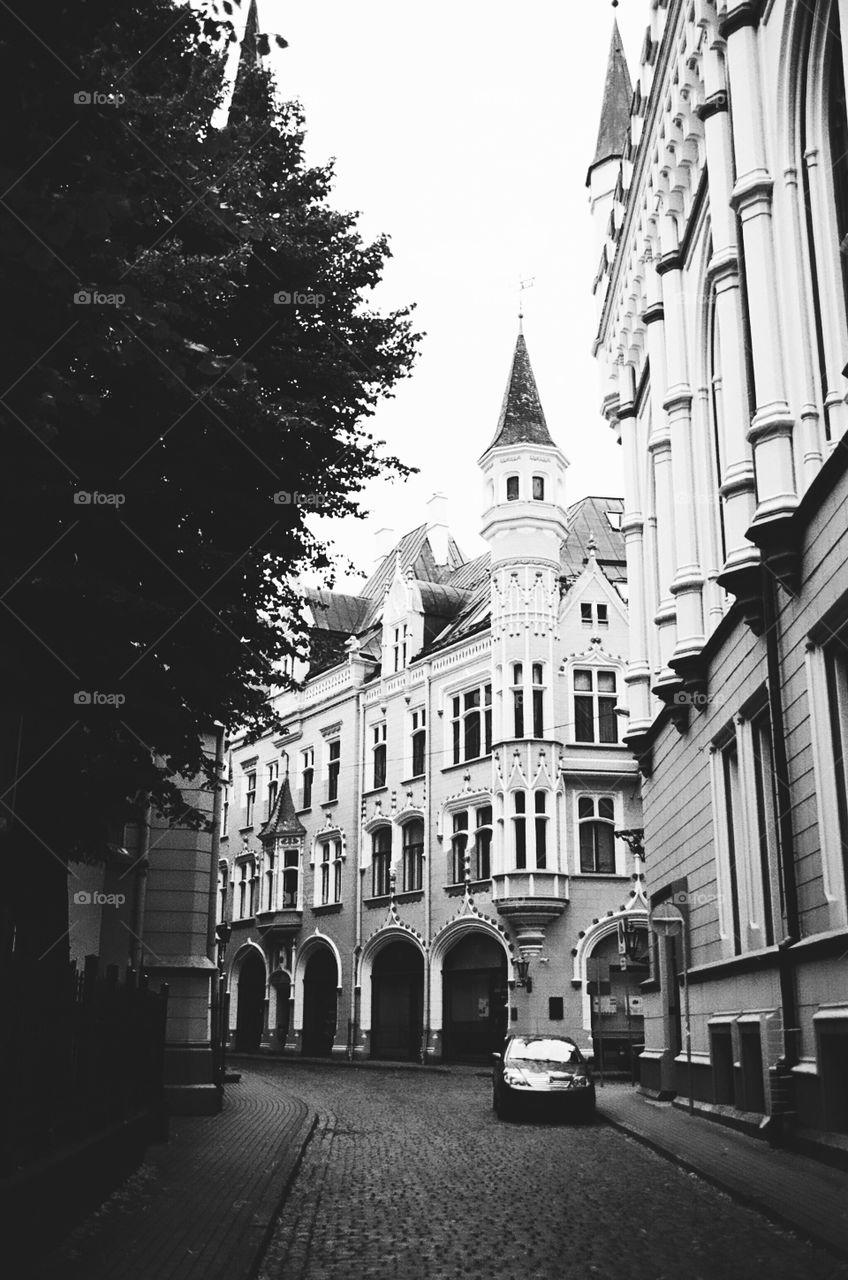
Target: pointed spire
{"points": [[522, 419], [615, 111], [249, 51], [283, 820]]}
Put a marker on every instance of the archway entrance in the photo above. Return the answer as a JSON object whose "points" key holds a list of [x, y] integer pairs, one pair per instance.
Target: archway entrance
{"points": [[251, 1003], [475, 999], [397, 1002], [617, 1021], [319, 1004]]}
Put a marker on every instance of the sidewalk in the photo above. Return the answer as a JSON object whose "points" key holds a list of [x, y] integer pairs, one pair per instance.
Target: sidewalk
{"points": [[792, 1189], [202, 1205]]}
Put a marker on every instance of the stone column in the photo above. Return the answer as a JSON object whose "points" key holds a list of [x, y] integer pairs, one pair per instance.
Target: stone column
{"points": [[771, 429], [638, 678], [687, 585]]}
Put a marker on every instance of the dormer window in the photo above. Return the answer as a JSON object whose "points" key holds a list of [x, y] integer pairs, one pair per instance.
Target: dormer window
{"points": [[538, 488], [399, 646], [512, 488]]}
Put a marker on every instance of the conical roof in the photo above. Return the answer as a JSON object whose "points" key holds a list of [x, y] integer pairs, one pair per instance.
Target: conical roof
{"points": [[615, 111], [522, 419], [283, 821]]}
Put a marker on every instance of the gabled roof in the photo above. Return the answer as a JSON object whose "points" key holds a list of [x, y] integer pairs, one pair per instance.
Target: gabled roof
{"points": [[522, 419], [588, 521], [335, 611], [615, 110], [283, 821]]}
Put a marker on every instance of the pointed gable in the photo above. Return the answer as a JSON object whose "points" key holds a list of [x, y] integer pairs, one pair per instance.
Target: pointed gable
{"points": [[522, 419], [615, 111], [283, 823]]}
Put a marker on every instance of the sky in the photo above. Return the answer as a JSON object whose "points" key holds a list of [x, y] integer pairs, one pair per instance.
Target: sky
{"points": [[463, 130]]}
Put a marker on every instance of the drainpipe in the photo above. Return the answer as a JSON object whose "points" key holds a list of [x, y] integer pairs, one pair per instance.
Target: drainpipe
{"points": [[140, 895], [428, 898], [786, 842], [359, 738], [217, 804]]}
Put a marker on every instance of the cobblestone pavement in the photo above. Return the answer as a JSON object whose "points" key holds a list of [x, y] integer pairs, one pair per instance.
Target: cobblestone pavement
{"points": [[411, 1176]]}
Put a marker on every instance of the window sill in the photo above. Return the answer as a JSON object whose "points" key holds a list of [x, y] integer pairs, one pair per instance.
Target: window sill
{"points": [[325, 803], [595, 746], [454, 890], [383, 900], [307, 808], [243, 831], [416, 777], [373, 791], [466, 764], [410, 895], [327, 909], [601, 875]]}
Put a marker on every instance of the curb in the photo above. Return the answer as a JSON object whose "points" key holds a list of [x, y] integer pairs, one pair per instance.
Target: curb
{"points": [[367, 1064], [749, 1200], [265, 1227]]}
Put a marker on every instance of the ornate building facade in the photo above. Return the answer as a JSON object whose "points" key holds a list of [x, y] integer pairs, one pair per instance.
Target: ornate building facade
{"points": [[719, 195], [428, 853]]}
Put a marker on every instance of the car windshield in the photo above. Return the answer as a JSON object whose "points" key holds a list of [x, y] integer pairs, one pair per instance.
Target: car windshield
{"points": [[543, 1051]]}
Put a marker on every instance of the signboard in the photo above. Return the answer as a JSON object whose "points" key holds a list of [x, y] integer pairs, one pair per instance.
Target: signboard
{"points": [[666, 919], [635, 1006]]}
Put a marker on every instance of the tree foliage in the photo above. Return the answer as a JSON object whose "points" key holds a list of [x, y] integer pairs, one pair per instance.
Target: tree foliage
{"points": [[169, 419]]}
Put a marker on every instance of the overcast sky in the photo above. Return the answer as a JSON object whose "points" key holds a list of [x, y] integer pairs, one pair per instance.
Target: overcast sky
{"points": [[464, 130]]}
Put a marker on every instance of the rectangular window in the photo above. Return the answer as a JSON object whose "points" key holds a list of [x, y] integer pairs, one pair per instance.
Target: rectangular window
{"points": [[337, 871], [767, 828], [241, 892], [732, 819], [334, 764], [471, 724], [595, 699], [378, 749], [291, 878], [541, 831], [329, 878], [512, 488], [520, 826], [413, 855], [836, 674], [459, 844], [555, 1008], [603, 615], [538, 700], [225, 814], [273, 784], [249, 798], [586, 613], [399, 646], [326, 863], [381, 862], [307, 773], [419, 741], [268, 902], [483, 844], [538, 488]]}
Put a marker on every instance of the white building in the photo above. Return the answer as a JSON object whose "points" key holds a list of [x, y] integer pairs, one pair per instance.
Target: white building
{"points": [[720, 202], [444, 801]]}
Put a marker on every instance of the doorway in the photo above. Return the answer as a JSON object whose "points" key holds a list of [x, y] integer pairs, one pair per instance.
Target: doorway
{"points": [[319, 1004], [250, 1015], [397, 1003], [475, 999]]}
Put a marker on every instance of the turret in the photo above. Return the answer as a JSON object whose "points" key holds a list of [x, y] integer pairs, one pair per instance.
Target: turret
{"points": [[603, 174]]}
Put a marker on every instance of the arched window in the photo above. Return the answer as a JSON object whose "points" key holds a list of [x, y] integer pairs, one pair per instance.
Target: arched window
{"points": [[413, 855], [381, 862], [596, 820], [518, 698]]}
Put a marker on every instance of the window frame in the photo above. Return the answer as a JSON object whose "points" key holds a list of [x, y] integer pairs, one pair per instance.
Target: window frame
{"points": [[412, 856], [381, 861], [594, 822], [457, 728]]}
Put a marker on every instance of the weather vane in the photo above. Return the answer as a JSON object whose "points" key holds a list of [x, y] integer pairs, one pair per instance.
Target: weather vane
{"points": [[527, 283]]}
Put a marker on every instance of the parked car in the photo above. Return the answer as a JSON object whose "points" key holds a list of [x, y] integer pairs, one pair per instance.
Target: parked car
{"points": [[534, 1072]]}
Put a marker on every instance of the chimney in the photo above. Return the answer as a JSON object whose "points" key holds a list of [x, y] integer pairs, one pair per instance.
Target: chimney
{"points": [[437, 527], [384, 540]]}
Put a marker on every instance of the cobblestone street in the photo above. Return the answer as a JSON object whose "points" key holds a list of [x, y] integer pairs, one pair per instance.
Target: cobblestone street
{"points": [[411, 1175]]}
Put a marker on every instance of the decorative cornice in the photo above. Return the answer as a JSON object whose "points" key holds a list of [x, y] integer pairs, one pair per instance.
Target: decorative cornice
{"points": [[712, 106], [653, 313], [669, 262], [746, 14]]}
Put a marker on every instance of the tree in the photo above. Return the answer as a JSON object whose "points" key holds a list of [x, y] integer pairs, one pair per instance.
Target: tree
{"points": [[190, 366]]}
